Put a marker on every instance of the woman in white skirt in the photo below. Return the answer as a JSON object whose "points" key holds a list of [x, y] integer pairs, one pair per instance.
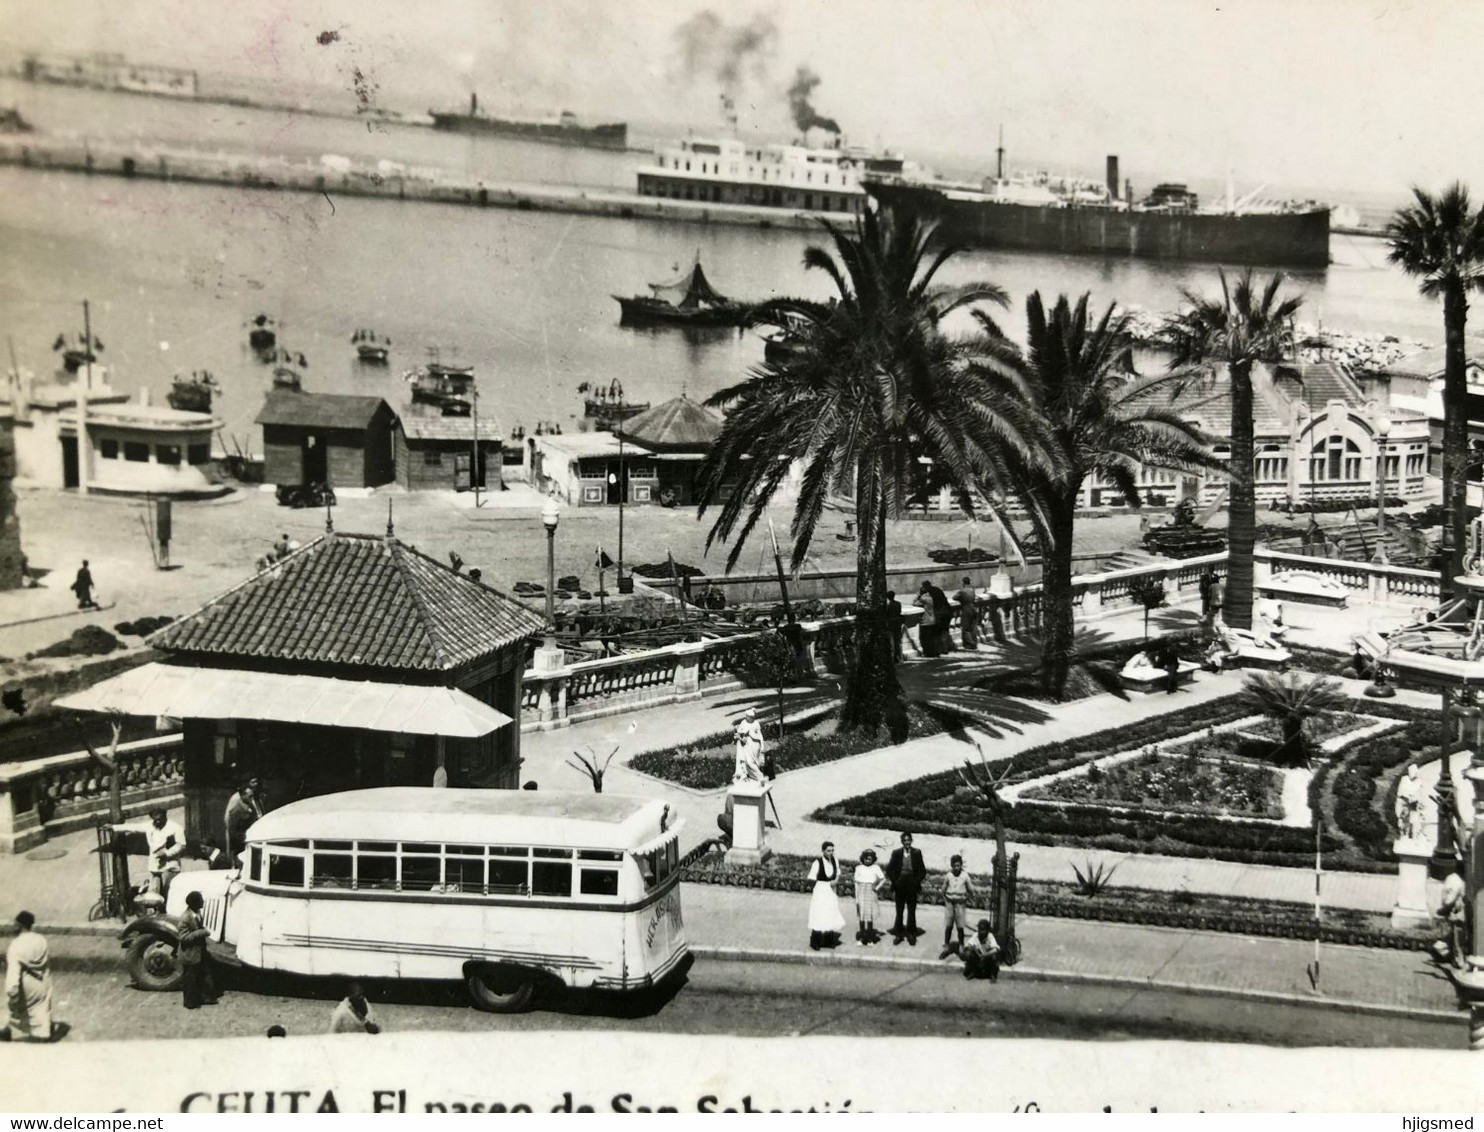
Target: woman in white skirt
{"points": [[825, 921]]}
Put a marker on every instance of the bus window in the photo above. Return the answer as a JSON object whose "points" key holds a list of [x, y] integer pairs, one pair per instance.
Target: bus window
{"points": [[551, 878], [599, 882], [255, 866], [331, 870], [286, 869], [421, 873], [375, 870], [599, 855], [508, 875], [463, 873]]}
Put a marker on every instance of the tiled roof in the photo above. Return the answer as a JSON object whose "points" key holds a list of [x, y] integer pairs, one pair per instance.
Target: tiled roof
{"points": [[680, 423], [429, 426], [355, 600], [1272, 401], [318, 410]]}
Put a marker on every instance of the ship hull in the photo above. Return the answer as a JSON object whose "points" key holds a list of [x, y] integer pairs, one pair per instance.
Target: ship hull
{"points": [[644, 311], [610, 135], [1286, 239]]}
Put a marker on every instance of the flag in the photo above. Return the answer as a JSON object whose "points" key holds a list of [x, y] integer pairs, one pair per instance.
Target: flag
{"points": [[603, 561]]}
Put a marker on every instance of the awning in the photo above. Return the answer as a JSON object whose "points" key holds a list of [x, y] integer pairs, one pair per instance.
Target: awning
{"points": [[231, 693]]}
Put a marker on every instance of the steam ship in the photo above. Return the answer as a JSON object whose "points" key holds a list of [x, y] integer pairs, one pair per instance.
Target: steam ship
{"points": [[563, 129]]}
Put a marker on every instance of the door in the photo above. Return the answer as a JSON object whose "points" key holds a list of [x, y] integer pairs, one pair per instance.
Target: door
{"points": [[615, 483], [461, 478], [316, 461], [69, 461]]}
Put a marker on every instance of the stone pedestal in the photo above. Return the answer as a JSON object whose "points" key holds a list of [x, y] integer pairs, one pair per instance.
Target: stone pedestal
{"points": [[1001, 585], [548, 658], [749, 831], [1413, 907]]}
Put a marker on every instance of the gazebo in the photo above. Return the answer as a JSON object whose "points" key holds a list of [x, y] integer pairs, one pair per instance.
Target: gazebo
{"points": [[354, 662], [677, 436]]}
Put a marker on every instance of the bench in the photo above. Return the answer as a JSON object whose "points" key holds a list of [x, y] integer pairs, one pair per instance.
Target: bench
{"points": [[1156, 679], [1303, 586]]}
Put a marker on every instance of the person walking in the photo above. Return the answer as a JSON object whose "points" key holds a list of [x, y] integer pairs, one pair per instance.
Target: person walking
{"points": [[1172, 668], [1208, 578], [943, 616], [166, 841], [197, 986], [868, 881], [825, 921], [906, 872], [1217, 597], [82, 586], [968, 615], [927, 624], [894, 623], [353, 1014], [28, 983], [958, 891]]}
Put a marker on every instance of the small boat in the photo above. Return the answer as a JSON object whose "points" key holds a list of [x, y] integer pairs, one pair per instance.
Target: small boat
{"points": [[75, 351], [371, 348], [693, 302], [262, 333], [192, 394], [605, 408], [286, 378], [782, 346], [451, 388]]}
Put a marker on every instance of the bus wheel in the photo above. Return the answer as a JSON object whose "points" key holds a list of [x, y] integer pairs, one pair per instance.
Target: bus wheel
{"points": [[154, 964], [501, 990]]}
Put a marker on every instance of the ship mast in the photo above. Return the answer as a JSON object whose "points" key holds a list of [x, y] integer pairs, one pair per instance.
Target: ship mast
{"points": [[999, 156]]}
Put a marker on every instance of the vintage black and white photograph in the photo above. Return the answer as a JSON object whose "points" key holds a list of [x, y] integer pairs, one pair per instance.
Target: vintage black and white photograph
{"points": [[741, 555]]}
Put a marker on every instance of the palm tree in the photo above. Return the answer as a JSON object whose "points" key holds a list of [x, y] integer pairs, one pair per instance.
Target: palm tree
{"points": [[1440, 239], [1292, 700], [1103, 420], [872, 385], [1241, 329]]}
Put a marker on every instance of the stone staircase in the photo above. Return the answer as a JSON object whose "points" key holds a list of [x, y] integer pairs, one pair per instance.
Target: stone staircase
{"points": [[1131, 559]]}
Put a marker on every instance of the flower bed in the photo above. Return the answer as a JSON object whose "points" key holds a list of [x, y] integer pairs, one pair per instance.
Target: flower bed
{"points": [[1186, 783], [708, 763], [1354, 830]]}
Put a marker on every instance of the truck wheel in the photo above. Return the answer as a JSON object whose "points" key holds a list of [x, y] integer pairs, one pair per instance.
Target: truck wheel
{"points": [[154, 964], [501, 990]]}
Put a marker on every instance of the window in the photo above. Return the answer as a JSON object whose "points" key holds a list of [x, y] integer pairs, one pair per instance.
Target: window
{"points": [[599, 882], [376, 871], [255, 865], [108, 449], [421, 872], [137, 451], [168, 454], [286, 869], [432, 458], [551, 878], [199, 453], [332, 870]]}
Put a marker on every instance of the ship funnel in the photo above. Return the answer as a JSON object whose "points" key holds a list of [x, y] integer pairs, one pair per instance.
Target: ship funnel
{"points": [[1113, 176]]}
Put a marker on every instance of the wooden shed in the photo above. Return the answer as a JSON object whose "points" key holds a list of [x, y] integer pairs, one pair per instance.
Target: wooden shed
{"points": [[330, 438], [434, 452]]}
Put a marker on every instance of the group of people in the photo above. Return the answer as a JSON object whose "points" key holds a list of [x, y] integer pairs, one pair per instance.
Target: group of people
{"points": [[934, 630], [905, 871]]}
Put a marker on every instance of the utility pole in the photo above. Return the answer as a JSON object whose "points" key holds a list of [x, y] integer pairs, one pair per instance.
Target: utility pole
{"points": [[474, 476], [83, 443]]}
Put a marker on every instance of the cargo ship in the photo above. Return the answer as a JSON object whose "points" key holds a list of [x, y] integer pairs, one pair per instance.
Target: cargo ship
{"points": [[1077, 217], [563, 129]]}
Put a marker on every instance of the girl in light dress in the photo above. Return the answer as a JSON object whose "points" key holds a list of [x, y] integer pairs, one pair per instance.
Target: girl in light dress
{"points": [[825, 921], [868, 881]]}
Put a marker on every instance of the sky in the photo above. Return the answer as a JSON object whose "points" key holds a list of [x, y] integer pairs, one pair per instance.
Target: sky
{"points": [[1371, 95]]}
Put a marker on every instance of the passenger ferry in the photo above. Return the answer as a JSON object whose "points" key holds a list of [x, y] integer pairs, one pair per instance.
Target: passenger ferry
{"points": [[508, 891], [728, 171]]}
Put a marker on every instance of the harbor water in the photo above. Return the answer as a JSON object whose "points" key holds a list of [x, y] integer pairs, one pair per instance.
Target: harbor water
{"points": [[175, 271]]}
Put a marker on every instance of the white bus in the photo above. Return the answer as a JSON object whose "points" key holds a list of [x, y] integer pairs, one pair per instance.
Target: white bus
{"points": [[504, 889]]}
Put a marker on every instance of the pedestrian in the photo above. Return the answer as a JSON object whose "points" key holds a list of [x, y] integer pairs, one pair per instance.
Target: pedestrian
{"points": [[825, 921], [1218, 596], [1172, 667], [1453, 908], [996, 618], [958, 890], [868, 881], [243, 808], [982, 955], [166, 842], [927, 624], [281, 547], [894, 623], [28, 983], [198, 988], [1208, 578], [906, 871], [968, 615], [943, 616], [353, 1014], [82, 586]]}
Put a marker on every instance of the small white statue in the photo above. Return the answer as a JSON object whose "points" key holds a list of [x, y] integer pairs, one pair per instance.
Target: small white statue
{"points": [[1409, 806], [749, 739]]}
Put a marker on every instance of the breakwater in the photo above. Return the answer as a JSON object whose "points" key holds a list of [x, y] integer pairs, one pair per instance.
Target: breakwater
{"points": [[386, 180]]}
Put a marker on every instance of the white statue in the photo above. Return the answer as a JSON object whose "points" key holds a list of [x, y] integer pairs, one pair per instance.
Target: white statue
{"points": [[1409, 805], [749, 739]]}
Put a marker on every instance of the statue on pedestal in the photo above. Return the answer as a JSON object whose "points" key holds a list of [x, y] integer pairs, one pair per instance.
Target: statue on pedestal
{"points": [[749, 740], [1409, 805]]}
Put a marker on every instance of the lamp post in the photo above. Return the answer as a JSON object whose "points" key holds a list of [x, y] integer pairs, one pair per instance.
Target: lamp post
{"points": [[1383, 430], [550, 516]]}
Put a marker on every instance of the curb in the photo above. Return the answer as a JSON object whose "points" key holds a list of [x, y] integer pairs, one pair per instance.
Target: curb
{"points": [[1046, 975]]}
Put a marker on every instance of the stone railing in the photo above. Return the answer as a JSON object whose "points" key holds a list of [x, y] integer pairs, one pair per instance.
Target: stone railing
{"points": [[63, 793], [1379, 582]]}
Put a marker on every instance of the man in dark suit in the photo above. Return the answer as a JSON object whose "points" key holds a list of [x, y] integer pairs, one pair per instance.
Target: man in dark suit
{"points": [[906, 871]]}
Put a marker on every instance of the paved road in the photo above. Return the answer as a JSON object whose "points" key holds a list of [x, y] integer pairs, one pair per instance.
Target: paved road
{"points": [[752, 999]]}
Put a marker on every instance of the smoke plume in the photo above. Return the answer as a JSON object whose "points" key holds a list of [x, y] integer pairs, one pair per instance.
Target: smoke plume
{"points": [[805, 116], [710, 49]]}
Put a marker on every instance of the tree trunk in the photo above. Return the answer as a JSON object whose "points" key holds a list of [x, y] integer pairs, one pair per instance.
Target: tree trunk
{"points": [[1236, 608], [873, 695], [1056, 586], [1455, 433], [1293, 741]]}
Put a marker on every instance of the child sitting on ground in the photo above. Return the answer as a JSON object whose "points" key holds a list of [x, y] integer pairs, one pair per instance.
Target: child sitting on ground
{"points": [[982, 955]]}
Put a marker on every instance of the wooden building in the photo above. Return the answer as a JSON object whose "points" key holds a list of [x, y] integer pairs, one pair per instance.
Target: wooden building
{"points": [[355, 662], [436, 453], [674, 438], [330, 438]]}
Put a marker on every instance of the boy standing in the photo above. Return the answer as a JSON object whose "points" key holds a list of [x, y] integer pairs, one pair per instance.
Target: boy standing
{"points": [[958, 890]]}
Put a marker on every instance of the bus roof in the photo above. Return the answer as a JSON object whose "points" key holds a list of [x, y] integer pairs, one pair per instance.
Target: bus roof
{"points": [[473, 817]]}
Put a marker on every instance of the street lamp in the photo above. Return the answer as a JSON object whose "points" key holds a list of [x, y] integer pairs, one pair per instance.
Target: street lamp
{"points": [[550, 516], [1383, 430]]}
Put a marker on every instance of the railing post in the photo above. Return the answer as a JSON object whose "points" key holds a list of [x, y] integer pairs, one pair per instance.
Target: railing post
{"points": [[687, 679]]}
